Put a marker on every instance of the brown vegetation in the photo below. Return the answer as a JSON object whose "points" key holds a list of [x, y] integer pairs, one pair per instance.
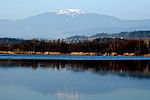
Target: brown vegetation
{"points": [[72, 53], [110, 48]]}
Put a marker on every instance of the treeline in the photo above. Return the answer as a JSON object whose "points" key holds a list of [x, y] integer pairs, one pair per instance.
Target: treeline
{"points": [[141, 46]]}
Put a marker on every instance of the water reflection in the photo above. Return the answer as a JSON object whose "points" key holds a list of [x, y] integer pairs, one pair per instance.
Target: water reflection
{"points": [[77, 80], [124, 68]]}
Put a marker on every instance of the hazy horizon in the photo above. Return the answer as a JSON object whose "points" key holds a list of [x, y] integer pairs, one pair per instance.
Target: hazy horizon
{"points": [[128, 10]]}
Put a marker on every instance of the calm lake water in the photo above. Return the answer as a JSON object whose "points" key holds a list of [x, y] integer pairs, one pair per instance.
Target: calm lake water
{"points": [[49, 79]]}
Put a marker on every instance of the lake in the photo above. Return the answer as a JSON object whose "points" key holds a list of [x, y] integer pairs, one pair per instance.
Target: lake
{"points": [[65, 77]]}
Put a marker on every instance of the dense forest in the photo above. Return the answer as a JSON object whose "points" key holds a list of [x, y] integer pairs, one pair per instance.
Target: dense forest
{"points": [[140, 46]]}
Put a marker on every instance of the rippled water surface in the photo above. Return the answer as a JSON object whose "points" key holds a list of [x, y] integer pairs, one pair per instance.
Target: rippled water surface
{"points": [[74, 79]]}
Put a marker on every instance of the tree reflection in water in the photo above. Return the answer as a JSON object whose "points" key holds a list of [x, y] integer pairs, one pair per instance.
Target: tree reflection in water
{"points": [[124, 68]]}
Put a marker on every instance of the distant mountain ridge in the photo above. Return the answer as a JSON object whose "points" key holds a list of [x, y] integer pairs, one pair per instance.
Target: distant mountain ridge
{"points": [[126, 35], [10, 40], [65, 23], [100, 37], [121, 35]]}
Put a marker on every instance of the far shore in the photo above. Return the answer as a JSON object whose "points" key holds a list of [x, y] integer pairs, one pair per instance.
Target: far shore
{"points": [[72, 53]]}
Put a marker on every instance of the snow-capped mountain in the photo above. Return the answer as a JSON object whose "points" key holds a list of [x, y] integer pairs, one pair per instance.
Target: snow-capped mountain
{"points": [[71, 11], [67, 22]]}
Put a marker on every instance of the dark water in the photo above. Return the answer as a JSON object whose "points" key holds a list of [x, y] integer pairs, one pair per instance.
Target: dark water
{"points": [[74, 79]]}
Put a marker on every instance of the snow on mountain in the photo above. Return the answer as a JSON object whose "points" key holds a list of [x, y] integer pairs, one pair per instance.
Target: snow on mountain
{"points": [[70, 11]]}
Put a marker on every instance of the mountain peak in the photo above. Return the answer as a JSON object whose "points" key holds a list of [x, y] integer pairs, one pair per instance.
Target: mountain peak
{"points": [[70, 11]]}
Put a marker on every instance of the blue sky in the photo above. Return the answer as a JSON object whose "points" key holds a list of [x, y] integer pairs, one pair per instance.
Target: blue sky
{"points": [[124, 9]]}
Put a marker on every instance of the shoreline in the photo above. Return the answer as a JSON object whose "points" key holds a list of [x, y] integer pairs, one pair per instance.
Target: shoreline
{"points": [[72, 53]]}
